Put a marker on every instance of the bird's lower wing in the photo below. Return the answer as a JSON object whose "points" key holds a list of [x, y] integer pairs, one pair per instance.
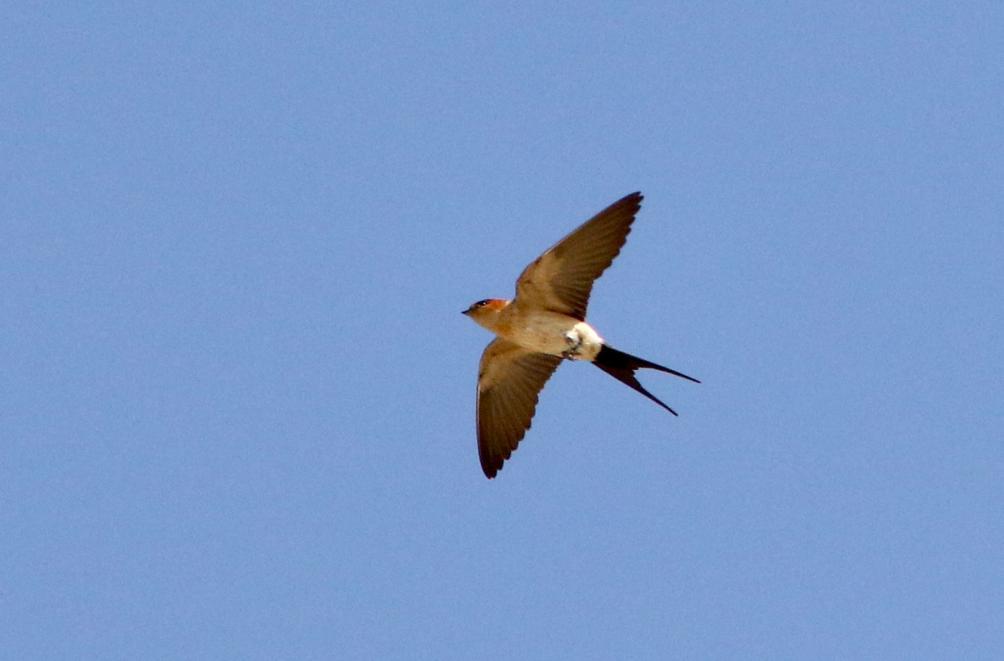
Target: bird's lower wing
{"points": [[509, 382]]}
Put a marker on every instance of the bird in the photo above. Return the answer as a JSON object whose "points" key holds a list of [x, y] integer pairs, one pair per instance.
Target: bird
{"points": [[545, 324]]}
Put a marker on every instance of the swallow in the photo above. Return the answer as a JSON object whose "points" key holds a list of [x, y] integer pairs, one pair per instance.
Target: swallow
{"points": [[546, 323]]}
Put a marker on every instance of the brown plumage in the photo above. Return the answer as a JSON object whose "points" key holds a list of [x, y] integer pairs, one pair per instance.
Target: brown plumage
{"points": [[546, 323]]}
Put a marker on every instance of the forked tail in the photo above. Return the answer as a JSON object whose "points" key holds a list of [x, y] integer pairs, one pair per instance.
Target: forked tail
{"points": [[622, 367]]}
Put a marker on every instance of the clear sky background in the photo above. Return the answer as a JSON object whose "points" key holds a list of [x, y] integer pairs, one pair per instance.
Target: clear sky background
{"points": [[237, 414]]}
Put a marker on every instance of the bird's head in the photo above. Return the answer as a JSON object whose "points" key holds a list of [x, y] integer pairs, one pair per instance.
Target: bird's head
{"points": [[485, 312]]}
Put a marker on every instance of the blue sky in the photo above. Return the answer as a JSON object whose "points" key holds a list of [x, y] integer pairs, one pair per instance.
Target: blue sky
{"points": [[238, 395]]}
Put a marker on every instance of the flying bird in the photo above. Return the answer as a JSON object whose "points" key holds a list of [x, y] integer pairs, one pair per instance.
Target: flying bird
{"points": [[545, 324]]}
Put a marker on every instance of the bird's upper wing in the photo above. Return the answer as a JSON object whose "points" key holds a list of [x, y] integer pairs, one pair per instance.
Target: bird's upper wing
{"points": [[509, 381], [562, 278]]}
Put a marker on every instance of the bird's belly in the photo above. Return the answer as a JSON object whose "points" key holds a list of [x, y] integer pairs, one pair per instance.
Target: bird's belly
{"points": [[556, 334]]}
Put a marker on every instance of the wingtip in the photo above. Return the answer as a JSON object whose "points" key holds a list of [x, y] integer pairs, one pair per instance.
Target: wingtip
{"points": [[491, 466], [633, 199]]}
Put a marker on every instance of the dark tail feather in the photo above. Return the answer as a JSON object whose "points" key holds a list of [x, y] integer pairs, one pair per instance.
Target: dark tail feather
{"points": [[622, 367]]}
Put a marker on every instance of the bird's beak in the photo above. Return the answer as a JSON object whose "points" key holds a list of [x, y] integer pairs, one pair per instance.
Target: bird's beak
{"points": [[467, 311]]}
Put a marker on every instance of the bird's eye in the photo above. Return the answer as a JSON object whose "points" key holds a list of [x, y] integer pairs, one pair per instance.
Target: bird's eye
{"points": [[481, 304]]}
